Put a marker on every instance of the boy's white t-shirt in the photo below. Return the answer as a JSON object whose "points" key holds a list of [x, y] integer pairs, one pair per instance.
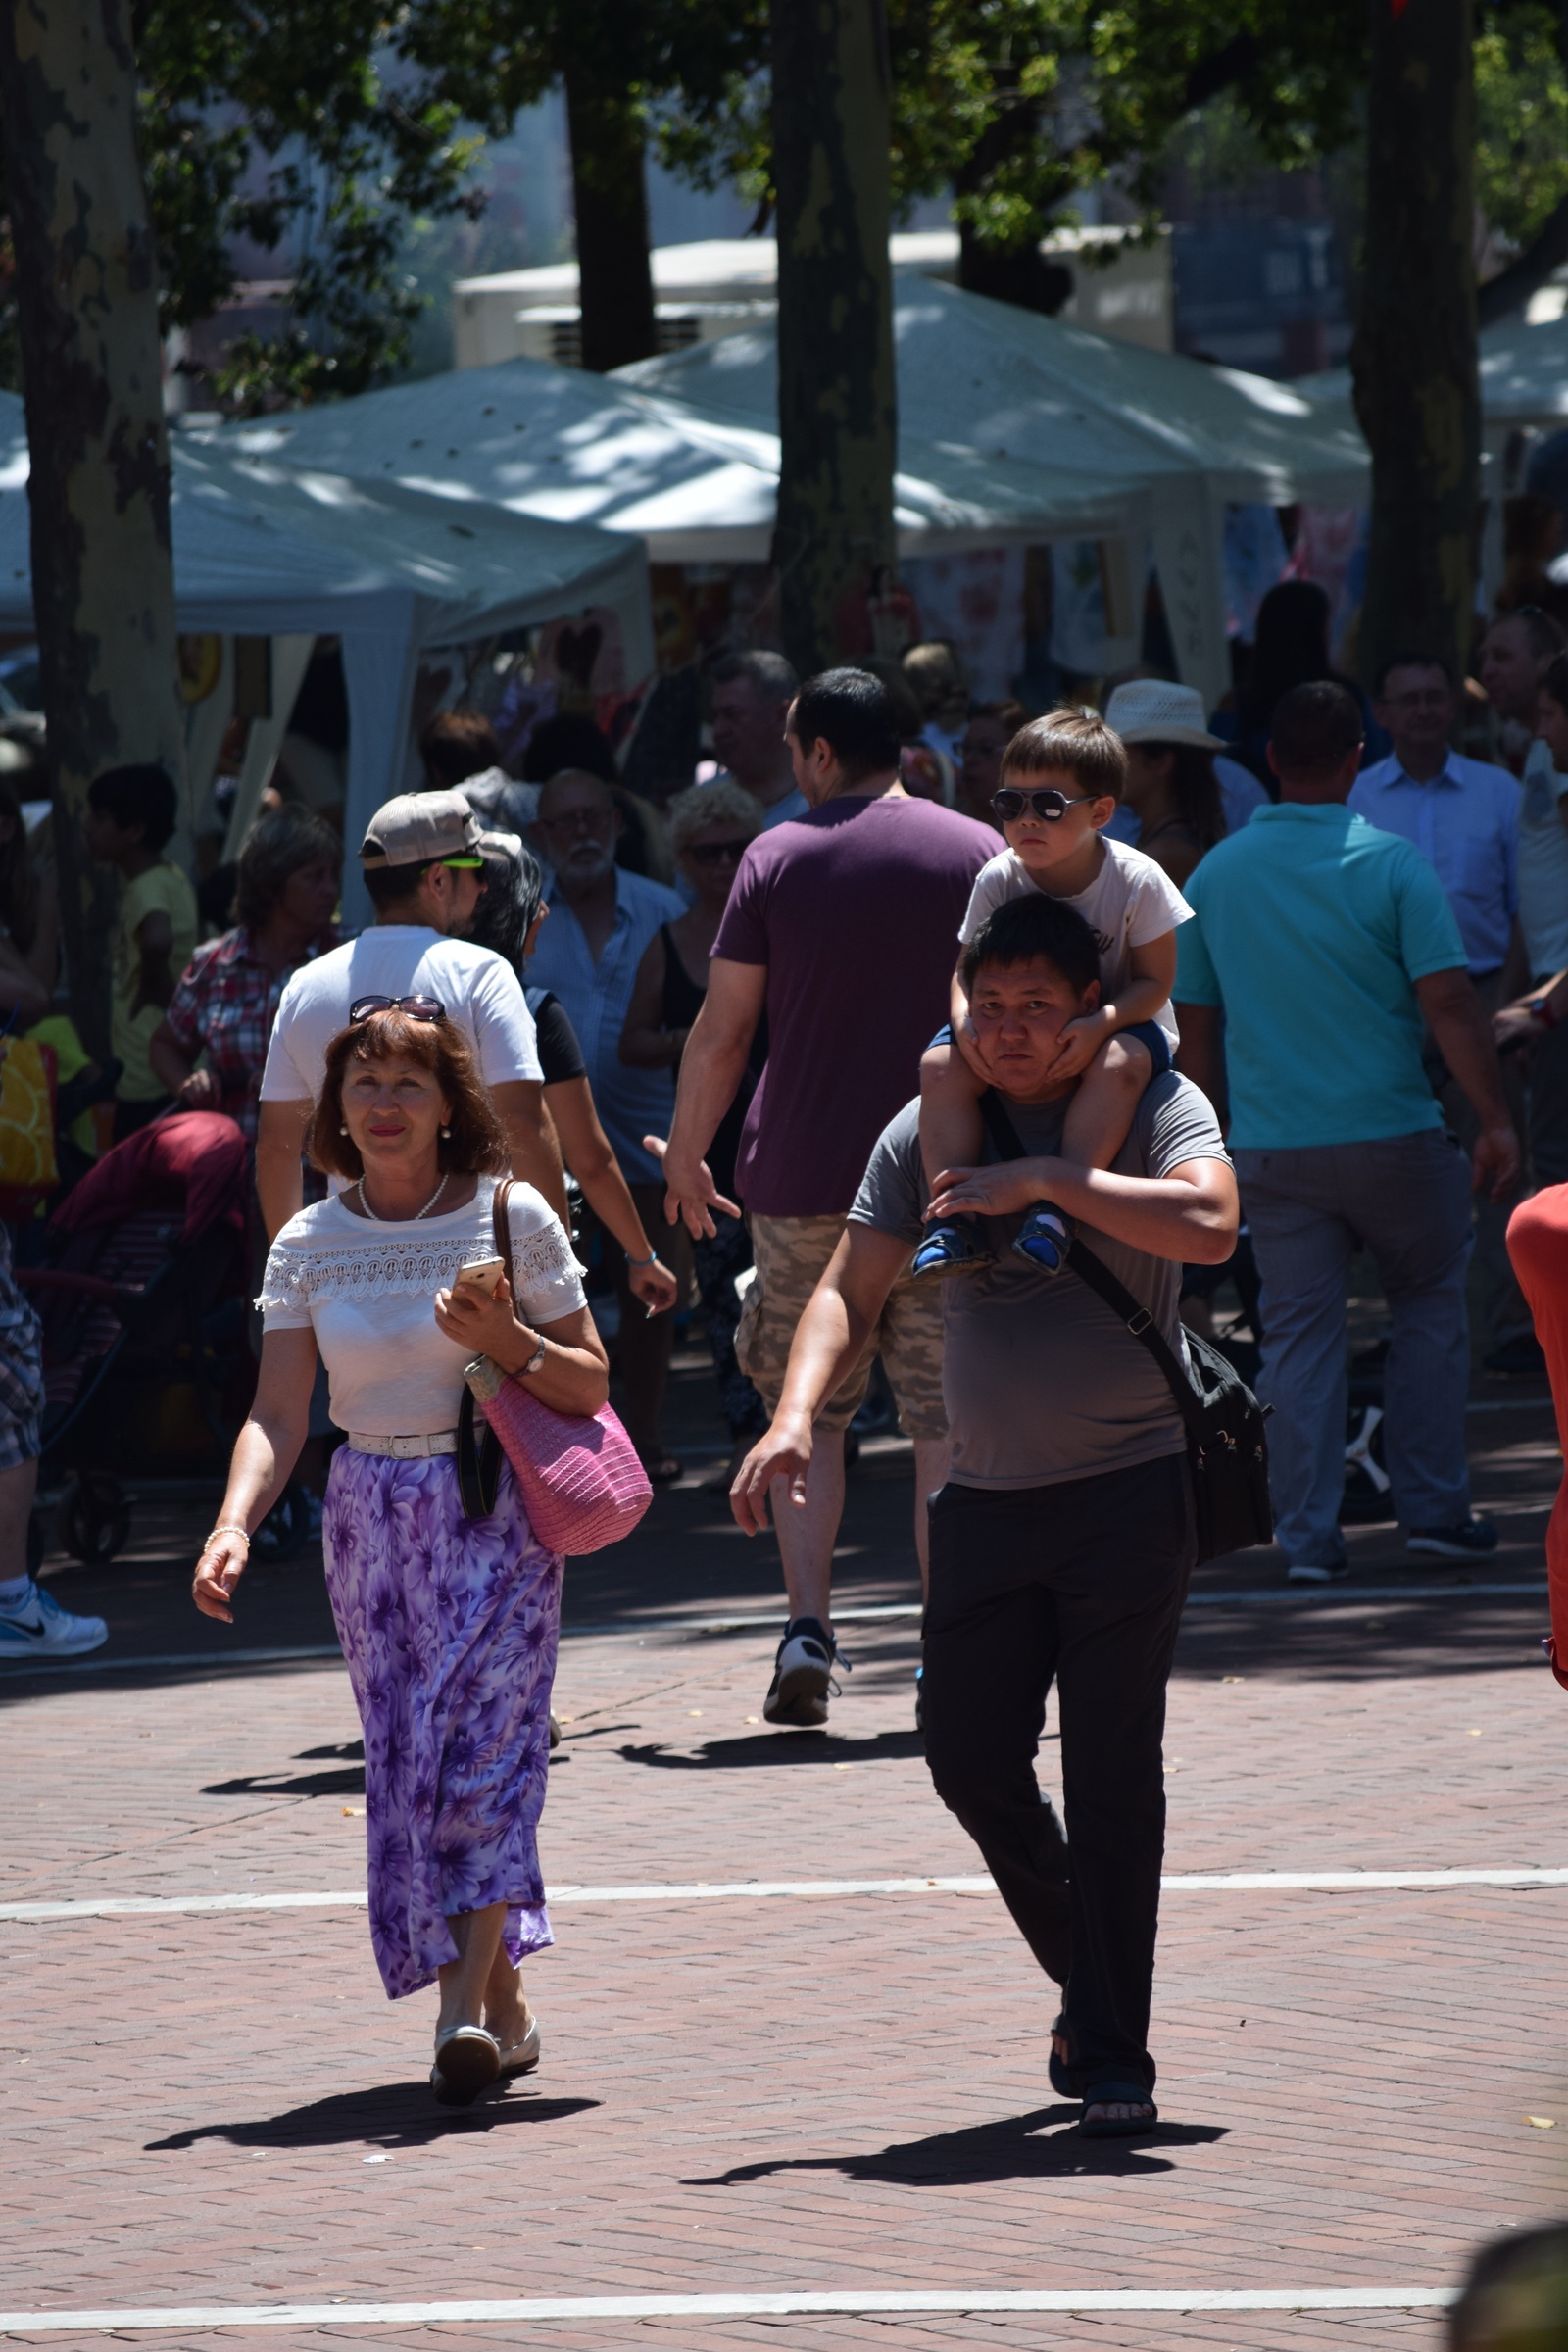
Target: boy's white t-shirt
{"points": [[1130, 902], [479, 990]]}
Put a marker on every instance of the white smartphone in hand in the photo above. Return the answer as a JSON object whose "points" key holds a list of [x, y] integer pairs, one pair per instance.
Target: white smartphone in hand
{"points": [[484, 1274]]}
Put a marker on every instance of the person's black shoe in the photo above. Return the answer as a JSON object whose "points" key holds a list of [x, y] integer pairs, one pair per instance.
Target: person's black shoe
{"points": [[1521, 1358], [1474, 1539], [802, 1675]]}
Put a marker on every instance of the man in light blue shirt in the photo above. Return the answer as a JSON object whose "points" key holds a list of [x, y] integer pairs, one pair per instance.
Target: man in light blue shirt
{"points": [[600, 920], [1328, 945], [1463, 816]]}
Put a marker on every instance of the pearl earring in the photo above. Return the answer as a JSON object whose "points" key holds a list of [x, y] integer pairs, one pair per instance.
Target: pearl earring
{"points": [[446, 1133], [342, 1131]]}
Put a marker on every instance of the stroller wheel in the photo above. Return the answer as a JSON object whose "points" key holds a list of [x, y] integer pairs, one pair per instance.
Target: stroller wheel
{"points": [[94, 1517], [286, 1530]]}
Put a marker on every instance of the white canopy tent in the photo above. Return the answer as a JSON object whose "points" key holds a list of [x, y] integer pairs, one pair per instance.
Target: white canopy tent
{"points": [[1020, 391], [264, 549], [577, 448], [1011, 427]]}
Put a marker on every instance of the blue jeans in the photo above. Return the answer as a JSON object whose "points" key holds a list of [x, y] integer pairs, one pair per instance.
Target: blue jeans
{"points": [[1406, 1198]]}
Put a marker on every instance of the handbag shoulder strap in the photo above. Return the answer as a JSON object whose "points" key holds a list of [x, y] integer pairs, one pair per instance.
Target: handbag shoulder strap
{"points": [[501, 1216], [1137, 1318]]}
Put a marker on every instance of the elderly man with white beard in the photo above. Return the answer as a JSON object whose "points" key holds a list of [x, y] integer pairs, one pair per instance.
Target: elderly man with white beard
{"points": [[600, 920]]}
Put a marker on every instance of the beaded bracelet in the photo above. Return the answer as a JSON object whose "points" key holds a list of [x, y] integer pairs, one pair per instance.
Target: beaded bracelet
{"points": [[231, 1527]]}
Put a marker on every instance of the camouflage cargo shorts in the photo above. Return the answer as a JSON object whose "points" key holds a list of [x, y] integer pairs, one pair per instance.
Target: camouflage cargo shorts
{"points": [[790, 1254]]}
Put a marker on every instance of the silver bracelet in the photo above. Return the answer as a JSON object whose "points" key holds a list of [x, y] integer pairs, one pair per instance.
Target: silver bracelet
{"points": [[534, 1360]]}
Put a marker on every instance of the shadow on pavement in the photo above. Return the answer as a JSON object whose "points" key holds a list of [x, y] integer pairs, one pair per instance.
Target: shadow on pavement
{"points": [[1007, 2150], [393, 2115], [347, 1781], [778, 1747]]}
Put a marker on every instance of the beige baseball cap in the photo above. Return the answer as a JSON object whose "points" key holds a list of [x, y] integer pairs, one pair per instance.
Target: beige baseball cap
{"points": [[418, 827]]}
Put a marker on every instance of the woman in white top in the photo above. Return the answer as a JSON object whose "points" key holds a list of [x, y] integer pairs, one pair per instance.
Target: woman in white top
{"points": [[448, 1625]]}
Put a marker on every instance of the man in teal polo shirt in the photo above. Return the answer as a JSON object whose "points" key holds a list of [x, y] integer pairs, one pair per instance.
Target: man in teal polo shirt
{"points": [[1326, 944]]}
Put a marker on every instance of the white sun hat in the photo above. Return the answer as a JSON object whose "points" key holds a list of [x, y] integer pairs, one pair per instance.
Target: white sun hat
{"points": [[1149, 710]]}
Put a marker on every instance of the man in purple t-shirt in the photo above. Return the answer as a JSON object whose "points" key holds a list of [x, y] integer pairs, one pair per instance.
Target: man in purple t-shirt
{"points": [[843, 923]]}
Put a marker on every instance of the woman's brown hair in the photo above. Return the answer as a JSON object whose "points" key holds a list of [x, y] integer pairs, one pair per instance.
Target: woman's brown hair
{"points": [[476, 1144]]}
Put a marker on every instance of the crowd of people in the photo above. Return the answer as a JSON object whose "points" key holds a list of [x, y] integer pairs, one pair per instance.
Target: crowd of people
{"points": [[915, 1031]]}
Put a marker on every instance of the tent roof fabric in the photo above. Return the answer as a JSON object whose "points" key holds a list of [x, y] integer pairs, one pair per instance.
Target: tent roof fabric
{"points": [[1524, 376], [1010, 386], [262, 548], [559, 443]]}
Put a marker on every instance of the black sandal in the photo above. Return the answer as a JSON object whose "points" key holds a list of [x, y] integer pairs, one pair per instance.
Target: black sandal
{"points": [[1111, 2093]]}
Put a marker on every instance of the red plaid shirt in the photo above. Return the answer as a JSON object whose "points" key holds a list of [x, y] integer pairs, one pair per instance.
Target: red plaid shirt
{"points": [[224, 1008]]}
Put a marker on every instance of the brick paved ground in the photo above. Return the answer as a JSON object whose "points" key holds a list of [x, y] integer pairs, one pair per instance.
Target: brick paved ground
{"points": [[832, 2093]]}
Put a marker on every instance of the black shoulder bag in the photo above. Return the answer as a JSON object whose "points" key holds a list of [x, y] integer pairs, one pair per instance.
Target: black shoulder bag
{"points": [[1226, 1449]]}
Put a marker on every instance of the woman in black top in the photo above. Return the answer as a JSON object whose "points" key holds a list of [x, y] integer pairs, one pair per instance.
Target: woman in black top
{"points": [[711, 827], [507, 919]]}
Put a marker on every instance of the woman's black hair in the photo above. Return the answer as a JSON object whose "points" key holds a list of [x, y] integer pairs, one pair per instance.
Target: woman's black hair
{"points": [[1290, 647], [1194, 788], [277, 845], [513, 892], [142, 796], [570, 739]]}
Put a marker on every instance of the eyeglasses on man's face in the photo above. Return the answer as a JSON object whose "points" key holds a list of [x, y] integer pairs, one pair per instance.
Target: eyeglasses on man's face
{"points": [[716, 853]]}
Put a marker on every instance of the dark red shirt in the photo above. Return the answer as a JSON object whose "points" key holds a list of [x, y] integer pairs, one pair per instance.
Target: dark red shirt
{"points": [[855, 909]]}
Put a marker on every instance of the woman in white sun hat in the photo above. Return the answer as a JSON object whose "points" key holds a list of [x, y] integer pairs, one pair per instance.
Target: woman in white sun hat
{"points": [[1182, 802]]}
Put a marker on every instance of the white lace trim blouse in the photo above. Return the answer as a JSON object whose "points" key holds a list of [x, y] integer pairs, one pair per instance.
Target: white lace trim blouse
{"points": [[368, 1292]]}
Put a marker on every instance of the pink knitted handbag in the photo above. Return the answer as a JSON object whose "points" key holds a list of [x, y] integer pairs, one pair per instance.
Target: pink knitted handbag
{"points": [[582, 1484]]}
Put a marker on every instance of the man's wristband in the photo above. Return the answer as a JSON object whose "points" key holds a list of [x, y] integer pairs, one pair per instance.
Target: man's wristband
{"points": [[651, 1259]]}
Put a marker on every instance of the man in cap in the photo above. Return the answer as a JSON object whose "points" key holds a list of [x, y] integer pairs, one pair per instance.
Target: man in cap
{"points": [[425, 873]]}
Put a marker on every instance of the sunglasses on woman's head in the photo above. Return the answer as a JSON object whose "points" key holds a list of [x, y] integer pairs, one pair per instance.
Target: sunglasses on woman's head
{"points": [[417, 1009], [714, 853], [1049, 804]]}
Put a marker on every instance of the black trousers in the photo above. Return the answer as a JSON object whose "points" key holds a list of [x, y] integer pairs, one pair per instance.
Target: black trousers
{"points": [[1081, 1585]]}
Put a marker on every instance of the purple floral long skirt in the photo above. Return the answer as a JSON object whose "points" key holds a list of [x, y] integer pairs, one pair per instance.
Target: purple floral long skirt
{"points": [[449, 1627]]}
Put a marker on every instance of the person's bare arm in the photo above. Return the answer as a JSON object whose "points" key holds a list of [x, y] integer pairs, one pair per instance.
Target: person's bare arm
{"points": [[264, 1452], [645, 1044], [531, 1139], [710, 1071], [1198, 1056], [1463, 1037], [175, 1069], [574, 1376], [1153, 975], [155, 940], [1191, 1215], [590, 1156], [839, 1315], [279, 1176]]}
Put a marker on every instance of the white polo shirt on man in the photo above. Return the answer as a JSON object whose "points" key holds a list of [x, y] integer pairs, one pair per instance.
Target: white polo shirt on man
{"points": [[480, 993]]}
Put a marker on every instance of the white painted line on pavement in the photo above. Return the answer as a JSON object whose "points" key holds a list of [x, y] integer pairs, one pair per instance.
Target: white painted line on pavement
{"points": [[1223, 1881], [732, 2307]]}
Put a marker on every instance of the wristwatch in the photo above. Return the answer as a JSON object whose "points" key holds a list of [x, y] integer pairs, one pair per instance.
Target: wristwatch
{"points": [[1540, 1009], [534, 1360]]}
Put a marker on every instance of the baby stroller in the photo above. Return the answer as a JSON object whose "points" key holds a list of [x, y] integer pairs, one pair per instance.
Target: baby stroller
{"points": [[142, 1292]]}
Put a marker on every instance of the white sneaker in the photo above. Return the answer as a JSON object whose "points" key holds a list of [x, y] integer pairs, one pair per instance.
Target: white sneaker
{"points": [[42, 1629]]}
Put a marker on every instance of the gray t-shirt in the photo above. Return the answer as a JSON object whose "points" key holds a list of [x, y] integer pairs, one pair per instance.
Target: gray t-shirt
{"points": [[1042, 1383]]}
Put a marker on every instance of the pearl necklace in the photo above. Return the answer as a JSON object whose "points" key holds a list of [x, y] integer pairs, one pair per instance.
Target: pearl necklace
{"points": [[414, 1220]]}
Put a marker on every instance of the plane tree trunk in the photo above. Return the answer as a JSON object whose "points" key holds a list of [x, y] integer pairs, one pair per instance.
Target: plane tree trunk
{"points": [[837, 400], [103, 577], [1417, 389]]}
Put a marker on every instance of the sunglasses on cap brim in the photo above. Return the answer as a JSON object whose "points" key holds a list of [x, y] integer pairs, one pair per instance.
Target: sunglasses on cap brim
{"points": [[465, 864], [417, 1009]]}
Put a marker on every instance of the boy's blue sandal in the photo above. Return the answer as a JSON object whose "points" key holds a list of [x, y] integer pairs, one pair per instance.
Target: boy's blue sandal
{"points": [[1043, 1240], [950, 1248]]}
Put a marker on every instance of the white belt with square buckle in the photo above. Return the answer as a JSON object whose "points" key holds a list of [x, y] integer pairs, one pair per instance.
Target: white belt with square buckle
{"points": [[406, 1449]]}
